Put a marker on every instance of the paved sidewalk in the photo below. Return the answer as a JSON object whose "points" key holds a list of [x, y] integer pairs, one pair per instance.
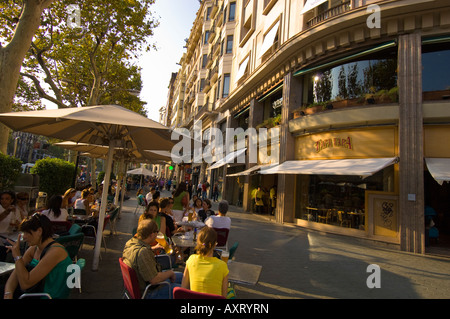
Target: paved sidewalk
{"points": [[297, 263]]}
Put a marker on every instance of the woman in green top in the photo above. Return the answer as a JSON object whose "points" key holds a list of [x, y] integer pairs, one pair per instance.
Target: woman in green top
{"points": [[47, 259], [180, 202]]}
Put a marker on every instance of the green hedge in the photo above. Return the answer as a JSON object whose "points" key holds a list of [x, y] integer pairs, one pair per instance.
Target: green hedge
{"points": [[55, 175], [9, 171]]}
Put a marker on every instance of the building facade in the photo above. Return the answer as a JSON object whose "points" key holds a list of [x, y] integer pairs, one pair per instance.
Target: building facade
{"points": [[358, 91]]}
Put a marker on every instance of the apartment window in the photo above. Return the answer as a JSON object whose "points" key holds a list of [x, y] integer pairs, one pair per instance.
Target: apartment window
{"points": [[226, 85], [202, 85], [232, 13], [208, 14], [206, 37], [204, 60], [229, 44], [218, 89]]}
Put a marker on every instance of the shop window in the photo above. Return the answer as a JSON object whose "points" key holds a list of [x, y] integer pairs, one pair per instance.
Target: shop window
{"points": [[436, 71], [338, 200], [272, 110], [370, 79]]}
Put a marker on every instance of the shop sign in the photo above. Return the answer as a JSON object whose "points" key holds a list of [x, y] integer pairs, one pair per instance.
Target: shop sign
{"points": [[338, 142]]}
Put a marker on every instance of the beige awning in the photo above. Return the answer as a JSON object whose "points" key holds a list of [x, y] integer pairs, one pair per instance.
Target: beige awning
{"points": [[242, 68], [439, 168], [229, 158], [269, 39], [311, 4], [361, 167], [254, 169]]}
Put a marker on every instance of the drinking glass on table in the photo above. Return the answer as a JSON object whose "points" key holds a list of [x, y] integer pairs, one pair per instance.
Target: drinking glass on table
{"points": [[224, 256], [162, 241]]}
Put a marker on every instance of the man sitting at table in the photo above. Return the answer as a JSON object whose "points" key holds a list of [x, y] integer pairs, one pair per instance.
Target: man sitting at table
{"points": [[138, 255], [220, 221]]}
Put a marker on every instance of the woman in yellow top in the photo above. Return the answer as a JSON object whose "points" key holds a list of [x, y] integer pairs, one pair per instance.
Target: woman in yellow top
{"points": [[203, 272]]}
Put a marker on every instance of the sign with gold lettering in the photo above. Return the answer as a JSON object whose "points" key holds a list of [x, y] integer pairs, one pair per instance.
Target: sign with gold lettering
{"points": [[333, 142], [352, 143]]}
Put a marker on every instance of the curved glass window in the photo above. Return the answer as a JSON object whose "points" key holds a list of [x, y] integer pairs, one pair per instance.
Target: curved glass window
{"points": [[436, 71], [370, 79]]}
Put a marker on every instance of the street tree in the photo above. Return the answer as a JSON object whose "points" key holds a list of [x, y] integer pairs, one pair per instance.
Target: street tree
{"points": [[13, 48], [90, 63]]}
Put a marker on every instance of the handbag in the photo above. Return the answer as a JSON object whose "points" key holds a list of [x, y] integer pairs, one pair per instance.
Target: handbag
{"points": [[39, 287]]}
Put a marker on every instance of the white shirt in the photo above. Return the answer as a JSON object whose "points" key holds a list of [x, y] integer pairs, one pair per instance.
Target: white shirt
{"points": [[5, 223], [218, 222], [51, 216]]}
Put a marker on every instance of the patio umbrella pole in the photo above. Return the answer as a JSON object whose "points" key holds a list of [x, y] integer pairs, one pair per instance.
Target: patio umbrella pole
{"points": [[104, 203]]}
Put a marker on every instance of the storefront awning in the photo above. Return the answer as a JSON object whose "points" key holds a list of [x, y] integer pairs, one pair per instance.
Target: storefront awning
{"points": [[439, 168], [229, 158], [311, 4], [361, 167], [254, 169]]}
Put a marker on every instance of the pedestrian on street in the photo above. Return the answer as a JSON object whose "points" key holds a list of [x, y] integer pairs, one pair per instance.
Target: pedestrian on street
{"points": [[259, 201]]}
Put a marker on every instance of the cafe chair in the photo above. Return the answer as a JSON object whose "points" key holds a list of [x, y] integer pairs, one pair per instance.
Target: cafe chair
{"points": [[79, 211], [222, 238], [112, 220], [61, 227], [183, 293], [343, 219], [131, 283], [75, 229], [90, 232], [233, 250], [165, 261], [72, 243], [141, 204], [35, 295]]}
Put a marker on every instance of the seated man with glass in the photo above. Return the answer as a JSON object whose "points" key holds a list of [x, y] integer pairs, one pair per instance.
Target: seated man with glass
{"points": [[138, 255]]}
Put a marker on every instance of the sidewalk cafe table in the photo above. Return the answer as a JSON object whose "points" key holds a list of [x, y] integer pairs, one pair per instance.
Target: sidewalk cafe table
{"points": [[13, 236], [193, 224], [6, 268], [243, 273]]}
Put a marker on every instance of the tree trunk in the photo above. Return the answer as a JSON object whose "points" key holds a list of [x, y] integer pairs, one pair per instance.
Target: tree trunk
{"points": [[11, 58]]}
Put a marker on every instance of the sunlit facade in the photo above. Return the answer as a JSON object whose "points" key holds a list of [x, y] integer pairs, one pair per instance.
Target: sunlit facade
{"points": [[341, 80]]}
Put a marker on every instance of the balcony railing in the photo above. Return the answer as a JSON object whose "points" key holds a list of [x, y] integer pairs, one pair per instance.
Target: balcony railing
{"points": [[332, 12]]}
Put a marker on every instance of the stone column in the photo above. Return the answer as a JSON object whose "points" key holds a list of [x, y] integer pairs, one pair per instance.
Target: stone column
{"points": [[292, 90], [411, 184]]}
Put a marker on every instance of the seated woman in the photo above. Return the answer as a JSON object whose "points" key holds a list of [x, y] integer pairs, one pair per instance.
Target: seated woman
{"points": [[43, 267], [84, 202], [140, 196], [198, 205], [206, 211], [151, 212], [164, 211], [54, 211], [68, 198], [203, 272]]}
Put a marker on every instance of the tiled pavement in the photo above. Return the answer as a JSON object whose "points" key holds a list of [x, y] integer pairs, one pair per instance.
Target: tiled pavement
{"points": [[297, 263]]}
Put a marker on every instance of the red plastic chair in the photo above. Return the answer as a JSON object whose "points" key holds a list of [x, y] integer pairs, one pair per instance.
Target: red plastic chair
{"points": [[60, 227], [131, 282], [222, 237], [183, 293]]}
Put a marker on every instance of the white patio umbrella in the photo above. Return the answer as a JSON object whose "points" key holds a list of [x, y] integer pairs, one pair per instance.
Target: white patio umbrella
{"points": [[141, 171], [108, 125]]}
